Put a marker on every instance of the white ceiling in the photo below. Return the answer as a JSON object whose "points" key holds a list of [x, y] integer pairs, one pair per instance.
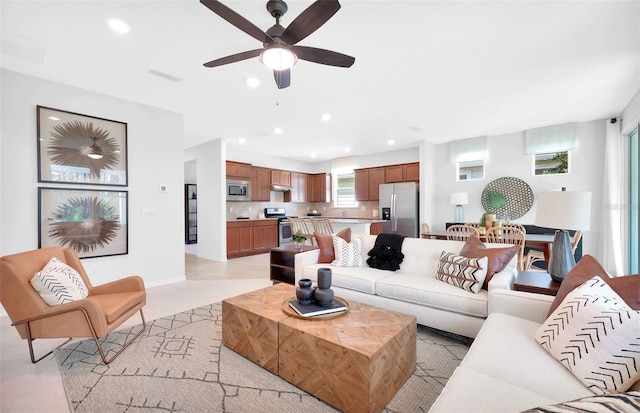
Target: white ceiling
{"points": [[424, 70]]}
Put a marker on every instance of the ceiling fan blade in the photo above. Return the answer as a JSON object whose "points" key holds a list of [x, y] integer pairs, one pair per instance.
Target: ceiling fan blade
{"points": [[282, 77], [322, 56], [310, 20], [237, 20], [234, 58]]}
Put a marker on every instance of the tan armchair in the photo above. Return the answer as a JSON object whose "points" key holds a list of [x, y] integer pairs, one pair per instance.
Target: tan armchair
{"points": [[106, 307]]}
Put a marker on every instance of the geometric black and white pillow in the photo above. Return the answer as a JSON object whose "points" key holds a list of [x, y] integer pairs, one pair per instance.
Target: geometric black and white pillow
{"points": [[463, 272], [58, 283], [595, 335], [348, 254], [610, 403]]}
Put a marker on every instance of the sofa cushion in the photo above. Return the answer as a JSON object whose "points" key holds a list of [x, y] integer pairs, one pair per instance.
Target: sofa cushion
{"points": [[623, 402], [58, 283], [499, 258], [465, 273], [361, 279], [505, 349], [325, 244], [594, 334], [348, 254], [431, 292], [627, 287]]}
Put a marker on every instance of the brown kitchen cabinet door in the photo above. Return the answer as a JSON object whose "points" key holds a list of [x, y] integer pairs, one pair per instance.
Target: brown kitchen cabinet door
{"points": [[298, 191], [260, 182], [238, 170], [411, 172], [362, 184], [239, 239], [376, 177], [393, 174]]}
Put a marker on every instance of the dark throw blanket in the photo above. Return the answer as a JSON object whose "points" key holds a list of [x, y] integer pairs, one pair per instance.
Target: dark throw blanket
{"points": [[386, 253]]}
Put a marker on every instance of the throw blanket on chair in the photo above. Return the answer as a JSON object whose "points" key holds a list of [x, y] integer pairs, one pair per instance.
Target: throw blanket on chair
{"points": [[386, 253]]}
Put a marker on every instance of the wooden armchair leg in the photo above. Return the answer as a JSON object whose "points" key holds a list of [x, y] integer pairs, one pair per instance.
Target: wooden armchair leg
{"points": [[95, 339]]}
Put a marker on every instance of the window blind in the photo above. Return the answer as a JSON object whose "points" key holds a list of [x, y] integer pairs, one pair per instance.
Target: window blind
{"points": [[472, 149], [557, 138]]}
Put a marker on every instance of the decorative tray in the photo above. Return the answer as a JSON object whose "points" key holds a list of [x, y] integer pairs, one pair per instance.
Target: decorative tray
{"points": [[291, 312]]}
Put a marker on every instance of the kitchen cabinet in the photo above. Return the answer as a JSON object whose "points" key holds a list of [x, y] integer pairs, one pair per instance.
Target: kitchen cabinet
{"points": [[249, 237], [411, 172], [319, 187], [239, 238], [393, 174], [191, 213], [362, 184], [279, 177], [368, 183], [260, 183], [238, 170], [265, 235], [375, 228], [298, 191]]}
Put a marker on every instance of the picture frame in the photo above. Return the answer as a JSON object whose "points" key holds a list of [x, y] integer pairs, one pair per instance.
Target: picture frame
{"points": [[81, 149], [92, 222]]}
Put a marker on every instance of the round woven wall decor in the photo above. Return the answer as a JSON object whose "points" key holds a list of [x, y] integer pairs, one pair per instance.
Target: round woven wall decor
{"points": [[518, 195]]}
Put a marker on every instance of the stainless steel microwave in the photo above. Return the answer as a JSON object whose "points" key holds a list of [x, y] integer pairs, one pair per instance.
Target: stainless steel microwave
{"points": [[238, 190]]}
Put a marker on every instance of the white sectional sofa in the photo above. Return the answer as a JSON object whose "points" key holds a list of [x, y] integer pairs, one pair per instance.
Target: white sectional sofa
{"points": [[413, 289], [506, 370]]}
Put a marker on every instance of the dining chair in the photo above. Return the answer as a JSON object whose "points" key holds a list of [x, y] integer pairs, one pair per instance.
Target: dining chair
{"points": [[54, 313], [509, 234], [300, 225], [534, 256], [461, 232], [321, 225]]}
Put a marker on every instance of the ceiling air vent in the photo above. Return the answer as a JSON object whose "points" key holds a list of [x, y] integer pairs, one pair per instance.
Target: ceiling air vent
{"points": [[165, 75], [23, 47]]}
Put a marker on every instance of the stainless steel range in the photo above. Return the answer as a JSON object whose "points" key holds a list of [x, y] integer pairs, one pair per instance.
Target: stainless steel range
{"points": [[284, 229]]}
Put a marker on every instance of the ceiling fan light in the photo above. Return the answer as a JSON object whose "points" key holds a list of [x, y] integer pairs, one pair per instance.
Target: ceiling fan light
{"points": [[278, 58]]}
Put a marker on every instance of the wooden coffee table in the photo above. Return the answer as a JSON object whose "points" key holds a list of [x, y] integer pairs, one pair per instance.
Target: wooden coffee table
{"points": [[355, 362]]}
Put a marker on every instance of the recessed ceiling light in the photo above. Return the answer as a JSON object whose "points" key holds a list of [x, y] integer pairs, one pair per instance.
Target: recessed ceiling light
{"points": [[242, 140], [53, 118], [326, 117], [252, 81], [277, 131], [313, 155], [347, 149], [118, 26], [390, 142]]}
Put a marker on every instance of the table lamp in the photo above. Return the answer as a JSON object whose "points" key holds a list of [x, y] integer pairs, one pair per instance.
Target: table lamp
{"points": [[563, 210], [459, 199]]}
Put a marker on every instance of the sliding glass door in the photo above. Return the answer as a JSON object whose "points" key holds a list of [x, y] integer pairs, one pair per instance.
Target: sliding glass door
{"points": [[634, 201], [634, 183]]}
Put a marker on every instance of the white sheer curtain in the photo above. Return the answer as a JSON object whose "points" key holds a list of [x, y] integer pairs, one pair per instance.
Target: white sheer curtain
{"points": [[614, 220]]}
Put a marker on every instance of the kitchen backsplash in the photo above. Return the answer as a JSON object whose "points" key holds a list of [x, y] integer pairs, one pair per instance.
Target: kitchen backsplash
{"points": [[253, 210]]}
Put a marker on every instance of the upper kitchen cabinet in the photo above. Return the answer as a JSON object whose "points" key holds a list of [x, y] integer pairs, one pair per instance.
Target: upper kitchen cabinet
{"points": [[298, 191], [393, 174], [260, 183], [319, 187], [238, 170], [279, 177], [368, 183], [411, 172]]}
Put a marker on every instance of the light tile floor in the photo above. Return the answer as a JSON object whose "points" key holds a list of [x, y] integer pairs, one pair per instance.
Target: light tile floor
{"points": [[27, 387]]}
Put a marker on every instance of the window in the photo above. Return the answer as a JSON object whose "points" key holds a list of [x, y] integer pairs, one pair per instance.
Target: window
{"points": [[551, 163], [345, 184], [634, 200], [470, 170]]}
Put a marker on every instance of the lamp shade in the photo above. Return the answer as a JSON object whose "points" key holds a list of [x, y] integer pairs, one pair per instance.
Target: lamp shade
{"points": [[459, 198], [564, 210]]}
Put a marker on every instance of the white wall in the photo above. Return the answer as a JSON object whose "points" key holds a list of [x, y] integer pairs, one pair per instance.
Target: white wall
{"points": [[507, 157], [156, 242]]}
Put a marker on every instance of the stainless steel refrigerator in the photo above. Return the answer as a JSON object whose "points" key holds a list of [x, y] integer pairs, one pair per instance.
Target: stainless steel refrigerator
{"points": [[399, 208]]}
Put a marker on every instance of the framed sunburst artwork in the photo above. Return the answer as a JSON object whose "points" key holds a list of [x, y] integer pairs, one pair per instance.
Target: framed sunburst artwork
{"points": [[81, 149], [92, 222]]}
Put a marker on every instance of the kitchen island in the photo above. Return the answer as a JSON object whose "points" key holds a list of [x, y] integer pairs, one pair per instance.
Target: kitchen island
{"points": [[360, 226]]}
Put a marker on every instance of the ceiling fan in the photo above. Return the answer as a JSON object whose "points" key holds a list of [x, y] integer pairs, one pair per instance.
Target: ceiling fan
{"points": [[279, 51]]}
